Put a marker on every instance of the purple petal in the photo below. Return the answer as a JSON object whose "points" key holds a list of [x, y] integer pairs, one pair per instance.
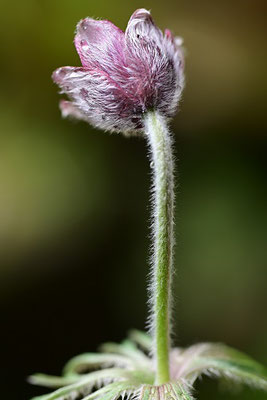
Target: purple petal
{"points": [[122, 76], [154, 63], [173, 48], [99, 99], [99, 43], [68, 109], [69, 79], [141, 28], [168, 35]]}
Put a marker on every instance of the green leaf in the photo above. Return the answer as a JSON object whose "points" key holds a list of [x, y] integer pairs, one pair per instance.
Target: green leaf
{"points": [[83, 386], [142, 339], [89, 361], [129, 349], [52, 381], [221, 360], [143, 376], [112, 391]]}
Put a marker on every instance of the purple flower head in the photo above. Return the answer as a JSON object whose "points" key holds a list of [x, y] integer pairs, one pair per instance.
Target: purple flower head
{"points": [[123, 75]]}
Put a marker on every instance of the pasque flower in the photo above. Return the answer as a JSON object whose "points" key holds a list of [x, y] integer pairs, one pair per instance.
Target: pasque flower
{"points": [[131, 83], [123, 75]]}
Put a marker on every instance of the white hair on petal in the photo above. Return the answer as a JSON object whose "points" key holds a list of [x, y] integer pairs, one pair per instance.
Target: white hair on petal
{"points": [[122, 76]]}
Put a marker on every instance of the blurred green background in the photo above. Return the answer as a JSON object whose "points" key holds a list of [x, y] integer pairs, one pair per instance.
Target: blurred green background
{"points": [[74, 202]]}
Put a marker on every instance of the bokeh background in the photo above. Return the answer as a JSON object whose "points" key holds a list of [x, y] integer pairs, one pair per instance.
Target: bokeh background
{"points": [[74, 201]]}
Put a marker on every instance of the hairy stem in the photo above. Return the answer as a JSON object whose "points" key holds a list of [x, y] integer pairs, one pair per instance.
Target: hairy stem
{"points": [[160, 146]]}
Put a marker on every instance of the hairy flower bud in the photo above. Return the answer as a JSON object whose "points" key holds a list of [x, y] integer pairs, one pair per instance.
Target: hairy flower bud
{"points": [[123, 75]]}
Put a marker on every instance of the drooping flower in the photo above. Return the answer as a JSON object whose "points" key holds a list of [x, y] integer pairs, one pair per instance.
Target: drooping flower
{"points": [[131, 83], [123, 75]]}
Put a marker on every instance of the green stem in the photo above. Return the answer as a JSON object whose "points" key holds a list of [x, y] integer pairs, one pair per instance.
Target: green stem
{"points": [[160, 146]]}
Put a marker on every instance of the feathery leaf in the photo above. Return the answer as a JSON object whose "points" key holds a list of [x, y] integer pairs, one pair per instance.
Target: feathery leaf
{"points": [[142, 339], [221, 360], [83, 386], [129, 349], [88, 361]]}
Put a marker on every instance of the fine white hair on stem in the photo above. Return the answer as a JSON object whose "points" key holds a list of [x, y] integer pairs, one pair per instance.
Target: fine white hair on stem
{"points": [[162, 163]]}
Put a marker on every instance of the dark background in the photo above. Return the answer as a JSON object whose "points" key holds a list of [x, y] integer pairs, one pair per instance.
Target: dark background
{"points": [[74, 201]]}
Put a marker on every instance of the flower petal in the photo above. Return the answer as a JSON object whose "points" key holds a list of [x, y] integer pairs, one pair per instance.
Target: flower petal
{"points": [[69, 78], [141, 27], [103, 102], [68, 109], [173, 46], [123, 76], [155, 63], [99, 43]]}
